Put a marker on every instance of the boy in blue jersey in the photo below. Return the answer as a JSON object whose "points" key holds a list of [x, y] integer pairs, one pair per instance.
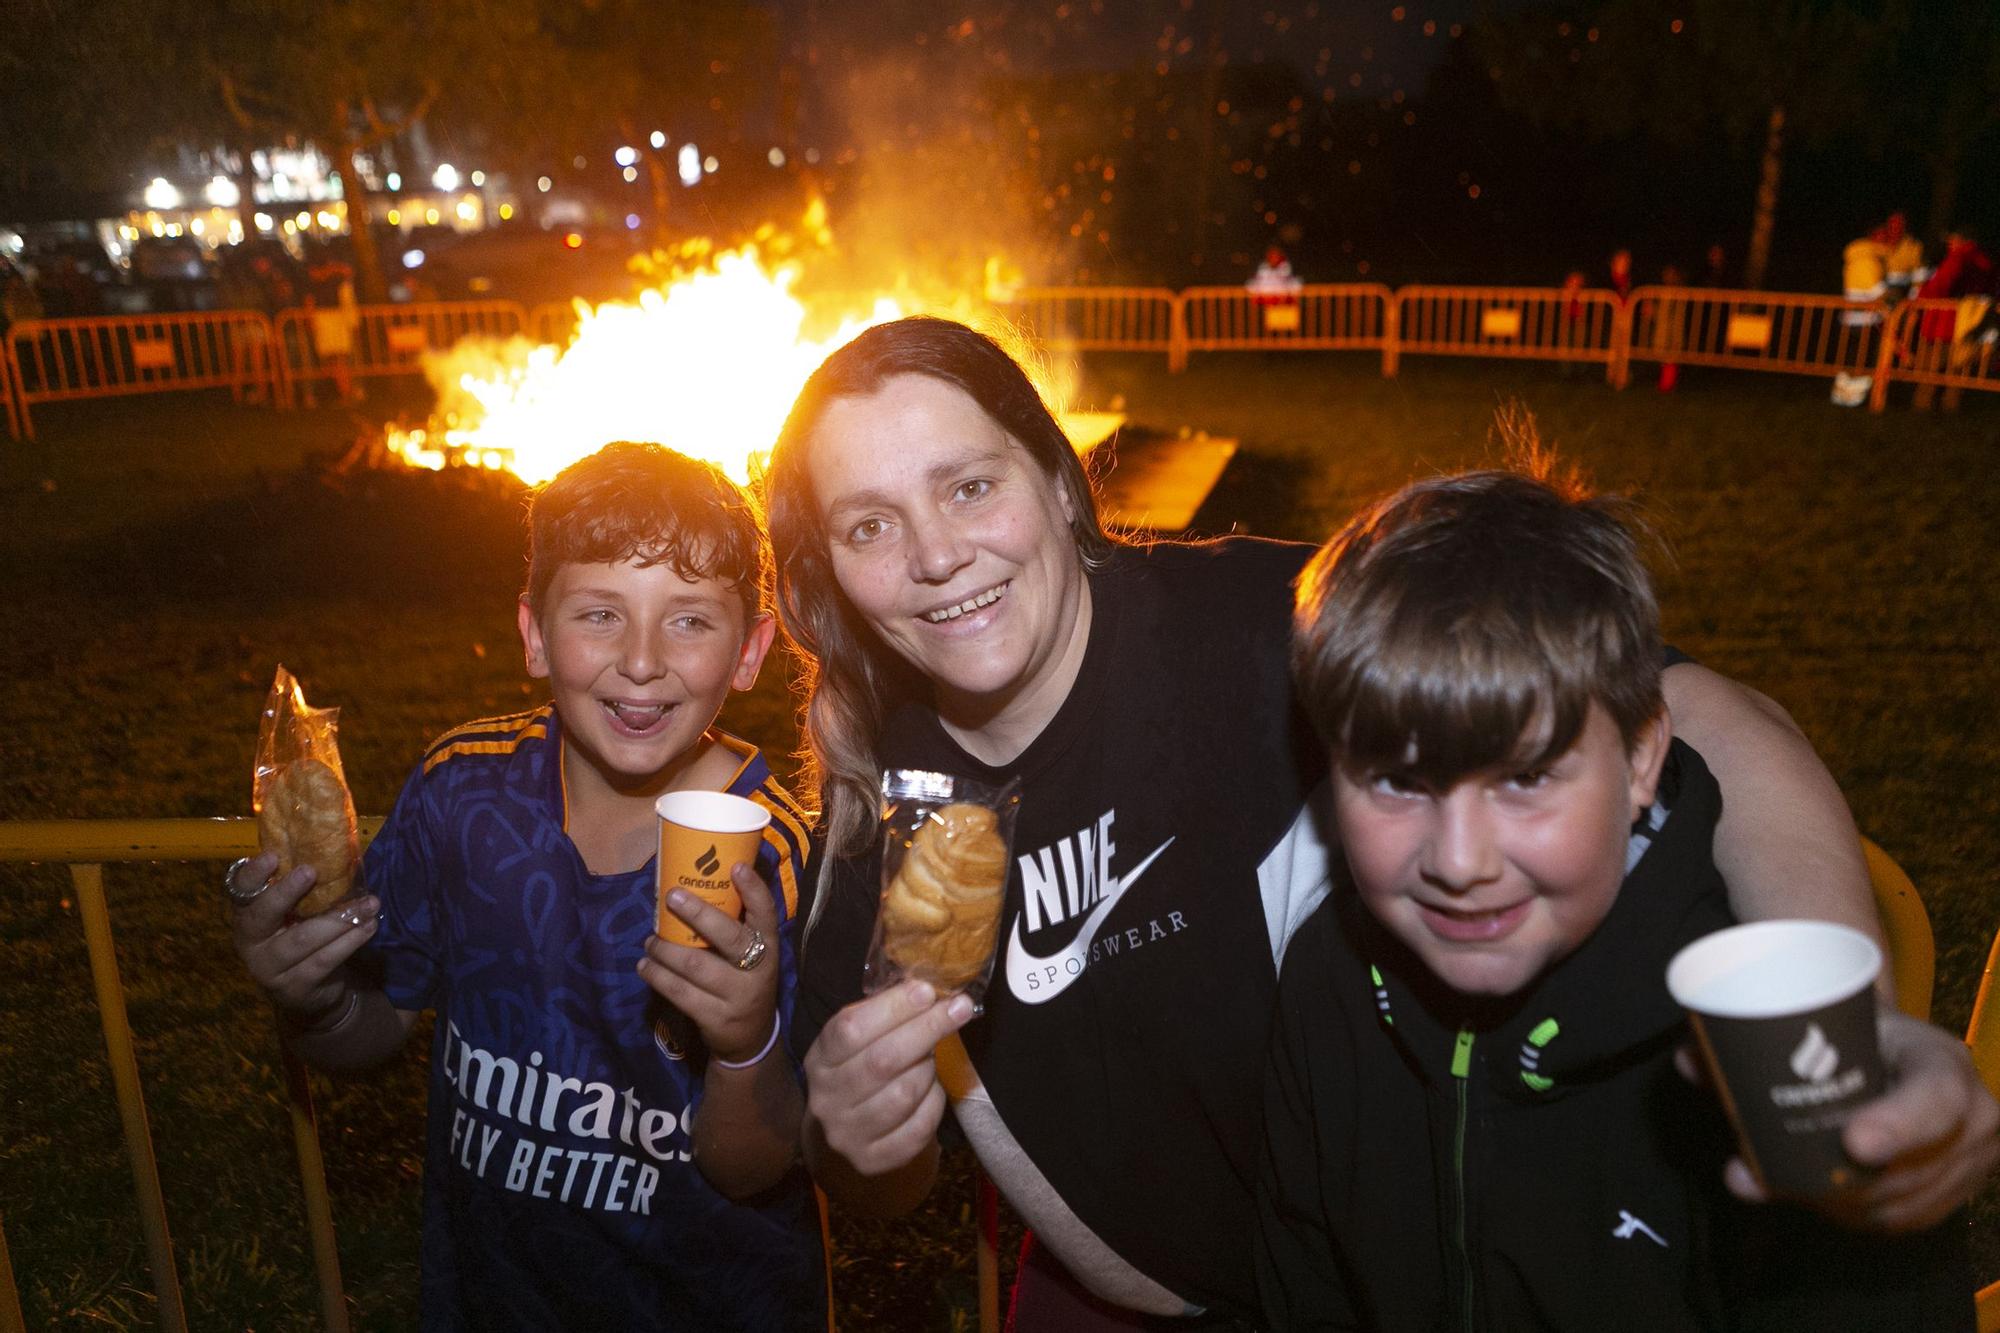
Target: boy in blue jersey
{"points": [[1471, 1112], [584, 1169]]}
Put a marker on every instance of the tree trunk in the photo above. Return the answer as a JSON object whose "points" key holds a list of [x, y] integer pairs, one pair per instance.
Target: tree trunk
{"points": [[1767, 201], [245, 177], [369, 287], [1944, 189]]}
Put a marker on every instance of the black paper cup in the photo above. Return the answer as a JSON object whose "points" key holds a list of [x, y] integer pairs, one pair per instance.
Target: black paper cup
{"points": [[1785, 1014]]}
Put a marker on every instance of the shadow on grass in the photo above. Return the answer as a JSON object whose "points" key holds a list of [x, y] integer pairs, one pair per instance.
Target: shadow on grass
{"points": [[1260, 493]]}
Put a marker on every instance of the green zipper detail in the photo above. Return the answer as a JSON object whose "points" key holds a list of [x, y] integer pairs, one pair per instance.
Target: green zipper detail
{"points": [[1461, 1069]]}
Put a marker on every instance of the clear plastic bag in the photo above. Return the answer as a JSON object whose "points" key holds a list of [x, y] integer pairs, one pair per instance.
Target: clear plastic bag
{"points": [[304, 811], [947, 848]]}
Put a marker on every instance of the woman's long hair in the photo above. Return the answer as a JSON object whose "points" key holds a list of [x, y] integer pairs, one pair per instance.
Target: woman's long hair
{"points": [[848, 676]]}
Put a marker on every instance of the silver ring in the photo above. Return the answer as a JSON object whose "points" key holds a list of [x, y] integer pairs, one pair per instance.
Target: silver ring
{"points": [[753, 952], [229, 884]]}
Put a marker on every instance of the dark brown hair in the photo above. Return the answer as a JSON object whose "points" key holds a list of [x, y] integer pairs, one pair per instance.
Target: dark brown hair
{"points": [[645, 502], [847, 674], [1469, 621]]}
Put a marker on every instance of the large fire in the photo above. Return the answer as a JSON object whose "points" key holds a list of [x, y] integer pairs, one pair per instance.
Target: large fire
{"points": [[707, 363]]}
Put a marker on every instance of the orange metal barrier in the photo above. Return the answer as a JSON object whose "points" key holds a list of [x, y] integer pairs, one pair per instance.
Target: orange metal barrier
{"points": [[1104, 319], [553, 322], [1321, 317], [104, 356], [86, 846], [335, 345], [12, 412], [1541, 323], [1781, 331], [1938, 343]]}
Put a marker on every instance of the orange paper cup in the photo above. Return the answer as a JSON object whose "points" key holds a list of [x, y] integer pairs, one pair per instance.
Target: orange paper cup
{"points": [[702, 834]]}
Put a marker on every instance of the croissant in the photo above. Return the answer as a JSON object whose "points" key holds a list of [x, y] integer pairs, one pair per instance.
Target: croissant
{"points": [[941, 911], [308, 819]]}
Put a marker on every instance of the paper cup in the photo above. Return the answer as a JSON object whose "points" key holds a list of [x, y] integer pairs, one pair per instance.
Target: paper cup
{"points": [[702, 834], [1785, 1014]]}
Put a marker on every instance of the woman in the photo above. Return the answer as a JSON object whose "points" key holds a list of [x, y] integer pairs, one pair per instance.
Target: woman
{"points": [[944, 577]]}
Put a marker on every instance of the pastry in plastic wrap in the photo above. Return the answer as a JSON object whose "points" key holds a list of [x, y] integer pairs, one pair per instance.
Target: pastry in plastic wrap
{"points": [[308, 819], [304, 812], [940, 913]]}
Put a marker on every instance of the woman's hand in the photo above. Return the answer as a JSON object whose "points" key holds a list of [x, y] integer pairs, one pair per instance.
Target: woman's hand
{"points": [[732, 1006], [872, 1092], [298, 965]]}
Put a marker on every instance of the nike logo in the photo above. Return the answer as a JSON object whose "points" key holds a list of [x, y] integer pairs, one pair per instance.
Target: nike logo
{"points": [[1053, 974]]}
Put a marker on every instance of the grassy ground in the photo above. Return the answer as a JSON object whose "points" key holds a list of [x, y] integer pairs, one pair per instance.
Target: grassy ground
{"points": [[159, 557]]}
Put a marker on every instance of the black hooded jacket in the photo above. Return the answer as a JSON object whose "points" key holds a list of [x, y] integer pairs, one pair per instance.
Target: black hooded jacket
{"points": [[1435, 1164]]}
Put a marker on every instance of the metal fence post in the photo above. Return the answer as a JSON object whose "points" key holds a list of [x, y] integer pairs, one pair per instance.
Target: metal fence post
{"points": [[1392, 324], [312, 1184]]}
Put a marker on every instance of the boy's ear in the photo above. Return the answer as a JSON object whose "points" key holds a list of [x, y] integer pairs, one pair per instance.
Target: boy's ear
{"points": [[1648, 757], [750, 660], [532, 644]]}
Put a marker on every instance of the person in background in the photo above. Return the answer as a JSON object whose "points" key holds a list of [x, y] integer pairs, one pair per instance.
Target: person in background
{"points": [[1669, 326], [1715, 267], [1903, 258], [1943, 342], [1864, 271], [1620, 270]]}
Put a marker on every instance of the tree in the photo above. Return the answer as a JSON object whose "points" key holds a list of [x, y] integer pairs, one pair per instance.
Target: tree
{"points": [[1944, 61], [1769, 73]]}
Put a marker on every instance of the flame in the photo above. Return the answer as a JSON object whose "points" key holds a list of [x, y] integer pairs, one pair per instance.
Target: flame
{"points": [[707, 362]]}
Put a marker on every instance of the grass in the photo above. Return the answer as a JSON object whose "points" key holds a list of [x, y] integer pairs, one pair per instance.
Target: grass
{"points": [[159, 557]]}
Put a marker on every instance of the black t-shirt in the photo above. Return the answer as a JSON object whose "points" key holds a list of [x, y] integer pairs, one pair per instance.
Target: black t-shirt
{"points": [[1162, 856]]}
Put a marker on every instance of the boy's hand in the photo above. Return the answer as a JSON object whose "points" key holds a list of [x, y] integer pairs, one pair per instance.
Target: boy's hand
{"points": [[872, 1088], [297, 965], [1932, 1139], [732, 1006]]}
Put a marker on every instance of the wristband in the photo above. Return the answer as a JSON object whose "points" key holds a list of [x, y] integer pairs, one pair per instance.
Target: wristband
{"points": [[329, 1020], [757, 1058]]}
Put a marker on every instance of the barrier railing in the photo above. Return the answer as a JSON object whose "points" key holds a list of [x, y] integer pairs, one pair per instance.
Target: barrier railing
{"points": [[336, 345], [553, 322], [7, 405], [1322, 317], [1778, 331], [1932, 343], [1104, 319], [86, 846], [1540, 323], [103, 356]]}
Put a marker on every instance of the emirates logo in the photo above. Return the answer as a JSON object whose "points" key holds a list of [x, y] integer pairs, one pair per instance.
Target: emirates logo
{"points": [[708, 863], [1816, 1058]]}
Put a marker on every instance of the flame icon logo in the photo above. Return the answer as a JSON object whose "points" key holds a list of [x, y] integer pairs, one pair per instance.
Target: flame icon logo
{"points": [[708, 863], [1816, 1058]]}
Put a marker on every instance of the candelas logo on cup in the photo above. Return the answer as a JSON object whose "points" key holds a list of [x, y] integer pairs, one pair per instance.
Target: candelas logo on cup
{"points": [[1785, 1012], [703, 834]]}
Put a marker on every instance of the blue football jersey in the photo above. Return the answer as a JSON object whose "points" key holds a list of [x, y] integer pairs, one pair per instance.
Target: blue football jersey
{"points": [[558, 1186]]}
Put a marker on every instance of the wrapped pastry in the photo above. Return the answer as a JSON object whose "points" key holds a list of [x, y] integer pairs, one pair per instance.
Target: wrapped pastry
{"points": [[304, 811], [944, 868]]}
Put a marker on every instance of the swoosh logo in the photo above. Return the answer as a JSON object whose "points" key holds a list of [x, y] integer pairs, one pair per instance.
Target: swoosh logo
{"points": [[1067, 962]]}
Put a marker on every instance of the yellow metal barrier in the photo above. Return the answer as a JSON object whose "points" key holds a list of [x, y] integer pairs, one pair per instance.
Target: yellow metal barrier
{"points": [[12, 411], [336, 345], [1782, 331], [104, 356], [86, 846], [1105, 319], [553, 322], [1538, 323], [1933, 343]]}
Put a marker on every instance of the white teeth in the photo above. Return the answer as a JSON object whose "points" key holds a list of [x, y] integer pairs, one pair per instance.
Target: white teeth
{"points": [[636, 716], [987, 598]]}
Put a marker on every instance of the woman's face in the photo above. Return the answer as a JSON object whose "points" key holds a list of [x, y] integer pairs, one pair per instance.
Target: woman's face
{"points": [[954, 546]]}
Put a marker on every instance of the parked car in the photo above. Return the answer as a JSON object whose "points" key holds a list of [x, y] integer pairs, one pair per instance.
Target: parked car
{"points": [[175, 273], [76, 278]]}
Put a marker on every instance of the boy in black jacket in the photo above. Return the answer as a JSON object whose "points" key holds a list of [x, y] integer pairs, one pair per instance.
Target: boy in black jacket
{"points": [[1473, 1119]]}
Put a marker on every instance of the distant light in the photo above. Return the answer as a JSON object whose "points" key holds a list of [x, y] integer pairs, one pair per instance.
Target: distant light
{"points": [[467, 210], [626, 155], [1675, 26], [431, 216], [413, 259], [222, 192], [263, 221], [630, 174], [506, 211], [197, 226], [812, 156], [173, 229], [478, 178], [305, 219], [395, 217], [657, 139], [577, 162], [161, 194], [328, 220], [290, 227], [631, 222], [573, 241], [776, 157], [445, 177], [395, 181], [544, 184], [689, 162], [709, 164]]}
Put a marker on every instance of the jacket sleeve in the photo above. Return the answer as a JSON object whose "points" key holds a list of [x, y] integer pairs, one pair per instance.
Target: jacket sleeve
{"points": [[1299, 1280]]}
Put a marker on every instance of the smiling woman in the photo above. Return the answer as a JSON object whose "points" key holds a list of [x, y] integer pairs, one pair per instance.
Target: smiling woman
{"points": [[956, 607]]}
